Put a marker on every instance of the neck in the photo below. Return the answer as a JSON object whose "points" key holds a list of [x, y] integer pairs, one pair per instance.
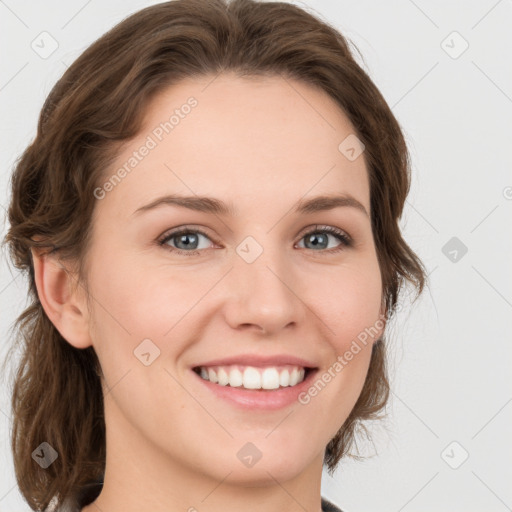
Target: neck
{"points": [[158, 482]]}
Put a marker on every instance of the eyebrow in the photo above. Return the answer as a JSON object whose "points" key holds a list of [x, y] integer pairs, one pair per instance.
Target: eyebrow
{"points": [[216, 206]]}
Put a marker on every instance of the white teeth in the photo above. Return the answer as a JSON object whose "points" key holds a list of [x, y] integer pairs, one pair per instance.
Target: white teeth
{"points": [[270, 378], [223, 377], [284, 378], [235, 378], [250, 377], [212, 375], [294, 377]]}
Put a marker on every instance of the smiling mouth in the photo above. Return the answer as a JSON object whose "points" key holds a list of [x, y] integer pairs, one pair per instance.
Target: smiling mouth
{"points": [[254, 378]]}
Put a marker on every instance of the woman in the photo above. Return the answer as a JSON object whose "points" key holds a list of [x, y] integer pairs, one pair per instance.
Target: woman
{"points": [[209, 219]]}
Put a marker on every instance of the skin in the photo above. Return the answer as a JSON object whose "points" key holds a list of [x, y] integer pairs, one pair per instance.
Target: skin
{"points": [[262, 145]]}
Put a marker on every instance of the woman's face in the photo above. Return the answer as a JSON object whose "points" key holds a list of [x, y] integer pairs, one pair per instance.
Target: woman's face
{"points": [[262, 280]]}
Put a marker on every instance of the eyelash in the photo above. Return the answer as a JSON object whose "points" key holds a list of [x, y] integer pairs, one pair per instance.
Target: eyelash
{"points": [[345, 240]]}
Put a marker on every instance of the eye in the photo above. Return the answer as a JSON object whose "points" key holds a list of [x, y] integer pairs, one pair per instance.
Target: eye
{"points": [[185, 238], [319, 237], [186, 241]]}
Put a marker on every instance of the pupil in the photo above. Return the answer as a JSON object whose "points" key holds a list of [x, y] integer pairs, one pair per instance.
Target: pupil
{"points": [[314, 239], [184, 240]]}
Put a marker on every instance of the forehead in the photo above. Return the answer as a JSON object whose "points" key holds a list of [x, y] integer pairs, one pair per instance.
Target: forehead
{"points": [[254, 141]]}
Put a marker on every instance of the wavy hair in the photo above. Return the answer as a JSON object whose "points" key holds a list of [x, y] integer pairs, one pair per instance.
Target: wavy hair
{"points": [[99, 103]]}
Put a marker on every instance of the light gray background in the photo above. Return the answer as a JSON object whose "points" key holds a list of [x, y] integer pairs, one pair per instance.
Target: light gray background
{"points": [[451, 352]]}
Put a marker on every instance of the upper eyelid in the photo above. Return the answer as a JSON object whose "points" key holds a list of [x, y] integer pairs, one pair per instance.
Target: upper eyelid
{"points": [[303, 232], [183, 229]]}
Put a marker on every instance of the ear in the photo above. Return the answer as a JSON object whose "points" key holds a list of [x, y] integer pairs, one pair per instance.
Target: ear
{"points": [[59, 295]]}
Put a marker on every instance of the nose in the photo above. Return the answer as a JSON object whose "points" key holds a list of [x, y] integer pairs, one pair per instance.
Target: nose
{"points": [[260, 294]]}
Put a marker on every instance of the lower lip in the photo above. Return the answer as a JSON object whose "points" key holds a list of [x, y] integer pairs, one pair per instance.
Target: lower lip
{"points": [[259, 399]]}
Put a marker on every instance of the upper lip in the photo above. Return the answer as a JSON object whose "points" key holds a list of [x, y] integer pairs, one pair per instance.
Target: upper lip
{"points": [[259, 360]]}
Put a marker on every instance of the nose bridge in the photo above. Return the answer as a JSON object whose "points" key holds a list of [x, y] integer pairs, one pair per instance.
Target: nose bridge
{"points": [[261, 277]]}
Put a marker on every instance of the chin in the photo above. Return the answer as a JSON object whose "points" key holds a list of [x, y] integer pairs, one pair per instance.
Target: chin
{"points": [[266, 473], [261, 463]]}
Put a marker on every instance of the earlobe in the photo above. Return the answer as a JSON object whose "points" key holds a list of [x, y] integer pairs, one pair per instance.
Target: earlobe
{"points": [[60, 299]]}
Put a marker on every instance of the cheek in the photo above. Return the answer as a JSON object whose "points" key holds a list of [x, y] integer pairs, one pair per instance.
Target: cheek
{"points": [[347, 299], [348, 303], [351, 321], [173, 305], [134, 301], [137, 297]]}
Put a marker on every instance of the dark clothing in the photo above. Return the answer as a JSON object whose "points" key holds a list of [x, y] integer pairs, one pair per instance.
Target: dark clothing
{"points": [[327, 506], [90, 493]]}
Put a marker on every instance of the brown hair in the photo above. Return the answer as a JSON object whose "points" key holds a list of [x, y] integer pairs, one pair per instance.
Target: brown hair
{"points": [[100, 102]]}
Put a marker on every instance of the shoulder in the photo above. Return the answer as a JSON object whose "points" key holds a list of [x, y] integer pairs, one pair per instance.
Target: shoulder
{"points": [[327, 506]]}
